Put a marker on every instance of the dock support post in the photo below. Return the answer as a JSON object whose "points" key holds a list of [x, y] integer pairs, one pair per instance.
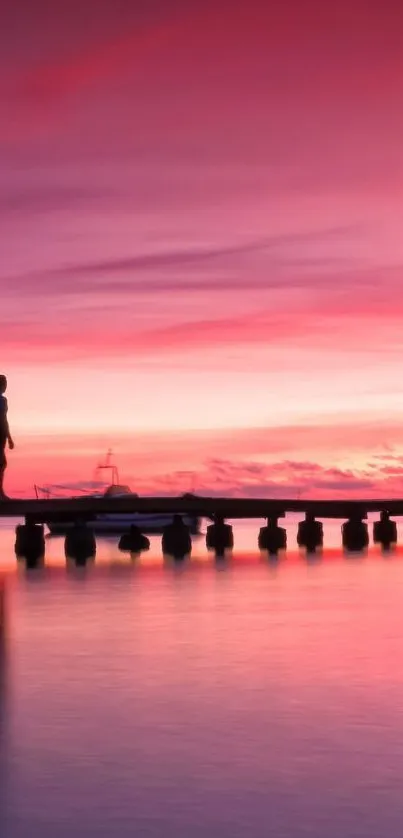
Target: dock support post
{"points": [[30, 542], [80, 543], [355, 533], [176, 540], [219, 537], [134, 541], [272, 538], [385, 531], [310, 533]]}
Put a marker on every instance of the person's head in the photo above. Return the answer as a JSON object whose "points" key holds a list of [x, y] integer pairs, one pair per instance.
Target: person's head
{"points": [[3, 384]]}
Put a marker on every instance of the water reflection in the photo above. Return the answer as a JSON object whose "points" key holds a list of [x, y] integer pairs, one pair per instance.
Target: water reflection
{"points": [[204, 698], [3, 699], [313, 556], [355, 555], [245, 543]]}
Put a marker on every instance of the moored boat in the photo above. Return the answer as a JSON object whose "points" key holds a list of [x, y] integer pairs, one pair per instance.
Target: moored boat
{"points": [[113, 522]]}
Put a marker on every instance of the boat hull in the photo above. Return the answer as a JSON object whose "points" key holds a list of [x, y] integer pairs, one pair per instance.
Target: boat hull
{"points": [[118, 524]]}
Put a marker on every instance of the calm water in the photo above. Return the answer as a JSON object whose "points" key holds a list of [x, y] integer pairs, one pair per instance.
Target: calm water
{"points": [[248, 699]]}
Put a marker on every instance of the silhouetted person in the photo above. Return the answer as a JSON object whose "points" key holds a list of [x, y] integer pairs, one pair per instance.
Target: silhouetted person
{"points": [[5, 435], [176, 540]]}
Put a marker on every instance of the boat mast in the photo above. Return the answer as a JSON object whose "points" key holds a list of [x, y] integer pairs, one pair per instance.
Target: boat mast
{"points": [[109, 466]]}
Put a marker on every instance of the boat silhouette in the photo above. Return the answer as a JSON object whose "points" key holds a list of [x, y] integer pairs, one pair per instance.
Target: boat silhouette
{"points": [[113, 522]]}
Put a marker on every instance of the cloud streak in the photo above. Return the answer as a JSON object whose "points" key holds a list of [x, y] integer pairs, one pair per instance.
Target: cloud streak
{"points": [[97, 335], [280, 249], [317, 460], [283, 479], [204, 202]]}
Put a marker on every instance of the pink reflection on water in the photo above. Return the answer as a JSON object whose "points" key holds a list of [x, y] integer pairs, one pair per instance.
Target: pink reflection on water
{"points": [[205, 699]]}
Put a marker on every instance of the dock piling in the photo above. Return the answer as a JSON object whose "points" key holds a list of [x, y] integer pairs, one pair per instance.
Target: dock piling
{"points": [[80, 543], [30, 542], [176, 540], [310, 533], [219, 537], [272, 538], [134, 541], [355, 534], [385, 531]]}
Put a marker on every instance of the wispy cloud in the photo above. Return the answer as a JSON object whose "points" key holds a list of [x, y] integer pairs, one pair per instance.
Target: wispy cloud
{"points": [[260, 462], [279, 479], [209, 187], [96, 334], [280, 250]]}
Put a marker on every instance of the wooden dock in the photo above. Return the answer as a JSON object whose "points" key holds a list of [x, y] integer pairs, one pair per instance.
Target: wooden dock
{"points": [[86, 508], [78, 516]]}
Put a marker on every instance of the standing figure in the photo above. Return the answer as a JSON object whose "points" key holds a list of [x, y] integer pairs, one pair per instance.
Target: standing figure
{"points": [[5, 435]]}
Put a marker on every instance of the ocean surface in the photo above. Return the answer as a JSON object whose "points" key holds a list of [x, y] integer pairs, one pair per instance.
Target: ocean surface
{"points": [[239, 699]]}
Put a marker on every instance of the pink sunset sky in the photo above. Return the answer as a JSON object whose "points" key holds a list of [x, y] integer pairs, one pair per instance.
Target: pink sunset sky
{"points": [[201, 243]]}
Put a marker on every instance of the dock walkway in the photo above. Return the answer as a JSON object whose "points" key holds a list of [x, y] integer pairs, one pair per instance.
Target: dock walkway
{"points": [[61, 509]]}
